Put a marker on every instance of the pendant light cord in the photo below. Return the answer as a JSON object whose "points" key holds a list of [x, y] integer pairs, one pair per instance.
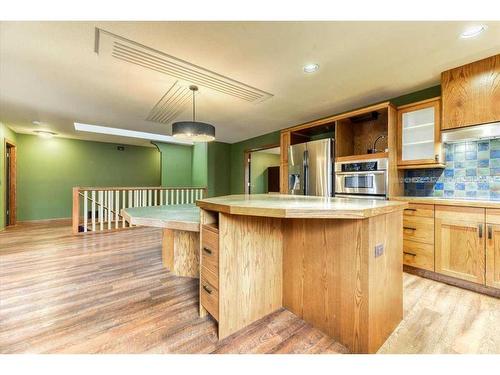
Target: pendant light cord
{"points": [[194, 106]]}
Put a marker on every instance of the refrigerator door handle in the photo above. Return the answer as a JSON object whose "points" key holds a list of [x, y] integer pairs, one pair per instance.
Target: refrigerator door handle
{"points": [[306, 172]]}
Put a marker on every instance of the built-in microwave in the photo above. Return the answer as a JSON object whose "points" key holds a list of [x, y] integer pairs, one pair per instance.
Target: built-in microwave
{"points": [[362, 178]]}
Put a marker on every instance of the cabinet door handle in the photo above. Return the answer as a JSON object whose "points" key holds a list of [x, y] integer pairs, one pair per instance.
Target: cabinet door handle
{"points": [[407, 253], [480, 228], [207, 289], [409, 228], [490, 232], [207, 250]]}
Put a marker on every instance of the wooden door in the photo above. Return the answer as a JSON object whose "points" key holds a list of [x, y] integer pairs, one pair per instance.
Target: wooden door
{"points": [[460, 242], [419, 133]]}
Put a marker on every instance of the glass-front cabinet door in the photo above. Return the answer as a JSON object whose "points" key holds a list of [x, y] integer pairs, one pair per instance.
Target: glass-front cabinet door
{"points": [[419, 133]]}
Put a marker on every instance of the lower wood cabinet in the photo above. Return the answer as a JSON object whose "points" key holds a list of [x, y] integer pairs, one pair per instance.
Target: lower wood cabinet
{"points": [[460, 242], [493, 248], [418, 236]]}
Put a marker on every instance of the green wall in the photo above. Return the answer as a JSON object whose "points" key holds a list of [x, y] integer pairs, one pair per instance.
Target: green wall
{"points": [[237, 154], [199, 169], [5, 133], [219, 169], [258, 171], [176, 164], [238, 149], [48, 169]]}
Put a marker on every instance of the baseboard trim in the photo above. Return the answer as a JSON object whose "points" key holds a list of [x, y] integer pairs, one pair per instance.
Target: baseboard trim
{"points": [[492, 292]]}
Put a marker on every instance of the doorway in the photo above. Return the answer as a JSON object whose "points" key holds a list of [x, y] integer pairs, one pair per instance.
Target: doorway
{"points": [[10, 183], [262, 170]]}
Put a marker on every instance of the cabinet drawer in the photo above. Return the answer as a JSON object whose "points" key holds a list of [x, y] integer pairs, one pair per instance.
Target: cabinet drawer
{"points": [[420, 210], [211, 277], [420, 229], [210, 250], [209, 296], [418, 254]]}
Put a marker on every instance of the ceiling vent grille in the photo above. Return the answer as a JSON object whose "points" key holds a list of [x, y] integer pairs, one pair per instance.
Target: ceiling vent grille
{"points": [[171, 104], [138, 54]]}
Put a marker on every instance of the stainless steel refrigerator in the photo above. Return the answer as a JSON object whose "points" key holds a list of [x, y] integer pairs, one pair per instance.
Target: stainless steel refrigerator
{"points": [[310, 168]]}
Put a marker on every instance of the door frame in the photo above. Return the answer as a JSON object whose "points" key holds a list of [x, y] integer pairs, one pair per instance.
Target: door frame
{"points": [[10, 176], [247, 156]]}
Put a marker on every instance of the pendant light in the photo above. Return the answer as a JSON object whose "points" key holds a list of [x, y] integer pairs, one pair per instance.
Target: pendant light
{"points": [[193, 130]]}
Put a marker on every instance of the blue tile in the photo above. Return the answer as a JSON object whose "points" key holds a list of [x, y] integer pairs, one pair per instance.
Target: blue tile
{"points": [[448, 193], [470, 194], [495, 154], [459, 186], [459, 193], [494, 195], [420, 186], [449, 156], [494, 171], [459, 164], [471, 146], [439, 186], [459, 147], [495, 144], [438, 193], [471, 155], [495, 163], [459, 156], [483, 194], [483, 163], [483, 186], [483, 146], [470, 172], [448, 172]]}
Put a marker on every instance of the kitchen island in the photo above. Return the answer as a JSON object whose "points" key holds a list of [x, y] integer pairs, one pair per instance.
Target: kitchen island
{"points": [[181, 226], [334, 262]]}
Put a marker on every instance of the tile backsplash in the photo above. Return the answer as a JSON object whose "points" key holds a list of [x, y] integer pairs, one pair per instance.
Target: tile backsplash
{"points": [[472, 171]]}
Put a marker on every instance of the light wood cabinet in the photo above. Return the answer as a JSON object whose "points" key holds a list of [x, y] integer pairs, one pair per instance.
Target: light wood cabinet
{"points": [[419, 143], [418, 236], [493, 248], [471, 94], [460, 242]]}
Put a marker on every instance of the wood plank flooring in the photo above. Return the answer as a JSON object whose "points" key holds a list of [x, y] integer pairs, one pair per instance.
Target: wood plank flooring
{"points": [[108, 293]]}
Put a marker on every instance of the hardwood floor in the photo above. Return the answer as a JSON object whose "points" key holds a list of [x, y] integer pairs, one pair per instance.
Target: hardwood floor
{"points": [[108, 293]]}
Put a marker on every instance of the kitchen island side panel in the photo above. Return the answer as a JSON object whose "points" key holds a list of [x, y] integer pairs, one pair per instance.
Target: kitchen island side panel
{"points": [[250, 270]]}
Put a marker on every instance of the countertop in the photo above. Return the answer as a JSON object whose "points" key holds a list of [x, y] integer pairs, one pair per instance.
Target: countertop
{"points": [[178, 217], [295, 206], [450, 201]]}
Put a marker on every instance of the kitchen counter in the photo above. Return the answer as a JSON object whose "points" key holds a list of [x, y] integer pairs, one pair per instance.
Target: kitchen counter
{"points": [[295, 206], [334, 262], [181, 227], [450, 201], [179, 217]]}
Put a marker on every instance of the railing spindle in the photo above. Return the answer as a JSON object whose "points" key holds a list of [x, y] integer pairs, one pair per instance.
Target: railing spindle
{"points": [[117, 208], [93, 210]]}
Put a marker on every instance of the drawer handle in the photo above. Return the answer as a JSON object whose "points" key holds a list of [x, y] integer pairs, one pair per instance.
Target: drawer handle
{"points": [[207, 289], [480, 228], [407, 253], [207, 250], [490, 232], [410, 209], [409, 228]]}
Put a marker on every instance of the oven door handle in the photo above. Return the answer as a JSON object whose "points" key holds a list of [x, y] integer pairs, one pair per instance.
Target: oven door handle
{"points": [[367, 173]]}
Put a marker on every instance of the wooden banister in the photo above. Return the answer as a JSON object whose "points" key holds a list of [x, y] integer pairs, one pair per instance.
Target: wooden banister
{"points": [[76, 209]]}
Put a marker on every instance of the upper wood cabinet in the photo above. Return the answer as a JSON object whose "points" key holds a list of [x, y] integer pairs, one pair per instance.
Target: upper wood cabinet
{"points": [[471, 94], [460, 242], [419, 142]]}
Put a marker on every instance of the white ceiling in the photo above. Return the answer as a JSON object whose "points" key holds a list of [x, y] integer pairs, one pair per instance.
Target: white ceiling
{"points": [[49, 71]]}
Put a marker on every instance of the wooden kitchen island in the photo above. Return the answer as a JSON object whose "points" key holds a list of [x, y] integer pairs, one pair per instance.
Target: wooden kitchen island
{"points": [[334, 262]]}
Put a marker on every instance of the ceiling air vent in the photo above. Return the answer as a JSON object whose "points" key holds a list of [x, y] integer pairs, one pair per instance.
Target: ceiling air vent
{"points": [[171, 104], [138, 54]]}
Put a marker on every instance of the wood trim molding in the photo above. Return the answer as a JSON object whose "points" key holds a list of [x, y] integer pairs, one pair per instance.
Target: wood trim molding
{"points": [[12, 182]]}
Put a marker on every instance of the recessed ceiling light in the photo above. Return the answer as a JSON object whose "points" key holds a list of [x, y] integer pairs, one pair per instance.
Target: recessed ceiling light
{"points": [[129, 133], [472, 31], [45, 134], [311, 68]]}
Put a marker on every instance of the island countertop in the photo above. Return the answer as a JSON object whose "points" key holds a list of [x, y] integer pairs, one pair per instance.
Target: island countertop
{"points": [[178, 217], [295, 206]]}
